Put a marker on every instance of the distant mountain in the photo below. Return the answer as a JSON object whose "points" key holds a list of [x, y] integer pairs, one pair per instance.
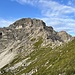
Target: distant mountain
{"points": [[25, 45]]}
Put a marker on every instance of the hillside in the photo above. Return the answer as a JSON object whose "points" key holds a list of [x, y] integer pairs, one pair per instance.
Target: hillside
{"points": [[44, 61], [29, 47]]}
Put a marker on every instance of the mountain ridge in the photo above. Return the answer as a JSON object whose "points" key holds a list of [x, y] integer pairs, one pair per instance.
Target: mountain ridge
{"points": [[25, 36]]}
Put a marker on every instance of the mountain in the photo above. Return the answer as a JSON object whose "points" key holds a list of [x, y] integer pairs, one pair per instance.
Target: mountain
{"points": [[29, 47]]}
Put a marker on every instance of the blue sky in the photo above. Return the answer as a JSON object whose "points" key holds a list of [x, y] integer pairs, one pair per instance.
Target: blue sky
{"points": [[60, 14]]}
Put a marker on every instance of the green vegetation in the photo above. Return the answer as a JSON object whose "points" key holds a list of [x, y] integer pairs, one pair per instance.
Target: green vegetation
{"points": [[39, 42], [33, 39], [61, 60]]}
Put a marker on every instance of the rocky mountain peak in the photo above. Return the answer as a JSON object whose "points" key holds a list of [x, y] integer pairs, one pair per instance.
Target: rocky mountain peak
{"points": [[27, 22], [65, 36], [25, 35], [63, 32], [26, 28]]}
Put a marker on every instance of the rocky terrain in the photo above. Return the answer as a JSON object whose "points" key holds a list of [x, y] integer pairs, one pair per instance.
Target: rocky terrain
{"points": [[24, 42]]}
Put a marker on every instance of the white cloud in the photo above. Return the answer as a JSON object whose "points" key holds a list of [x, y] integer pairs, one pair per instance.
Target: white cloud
{"points": [[60, 24], [59, 16], [52, 8], [5, 23], [32, 2]]}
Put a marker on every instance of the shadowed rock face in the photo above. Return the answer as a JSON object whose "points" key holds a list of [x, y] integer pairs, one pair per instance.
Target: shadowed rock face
{"points": [[24, 34], [0, 34]]}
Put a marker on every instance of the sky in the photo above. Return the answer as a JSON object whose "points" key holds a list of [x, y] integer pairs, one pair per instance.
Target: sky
{"points": [[60, 14]]}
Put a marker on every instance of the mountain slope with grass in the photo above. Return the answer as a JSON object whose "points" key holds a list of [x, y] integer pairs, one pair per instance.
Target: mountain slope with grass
{"points": [[44, 61], [29, 47]]}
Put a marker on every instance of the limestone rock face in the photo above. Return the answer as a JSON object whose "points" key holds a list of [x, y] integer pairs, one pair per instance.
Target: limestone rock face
{"points": [[26, 29], [26, 34], [65, 36]]}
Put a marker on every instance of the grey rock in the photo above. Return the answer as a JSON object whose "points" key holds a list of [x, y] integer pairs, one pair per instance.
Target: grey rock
{"points": [[21, 36], [65, 36]]}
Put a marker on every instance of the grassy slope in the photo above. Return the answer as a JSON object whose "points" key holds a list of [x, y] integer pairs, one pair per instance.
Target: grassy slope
{"points": [[51, 62]]}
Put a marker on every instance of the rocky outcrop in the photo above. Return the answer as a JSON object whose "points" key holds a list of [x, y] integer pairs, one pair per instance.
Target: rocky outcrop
{"points": [[26, 34], [26, 29], [65, 36]]}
